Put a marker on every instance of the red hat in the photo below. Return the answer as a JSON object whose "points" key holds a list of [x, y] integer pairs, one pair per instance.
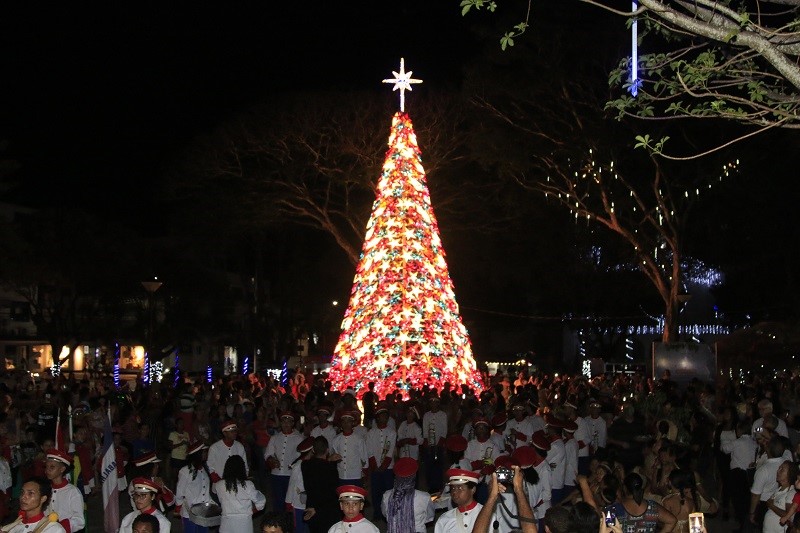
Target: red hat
{"points": [[540, 440], [413, 409], [499, 419], [348, 414], [526, 457], [60, 456], [143, 485], [324, 409], [287, 414], [504, 460], [381, 407], [405, 467], [455, 443], [520, 406], [306, 445], [570, 426], [478, 421], [552, 421], [458, 476], [351, 492], [146, 458], [229, 425], [196, 447]]}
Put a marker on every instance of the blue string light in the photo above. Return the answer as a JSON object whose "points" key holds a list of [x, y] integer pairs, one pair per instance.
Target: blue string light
{"points": [[209, 374], [635, 82], [116, 364]]}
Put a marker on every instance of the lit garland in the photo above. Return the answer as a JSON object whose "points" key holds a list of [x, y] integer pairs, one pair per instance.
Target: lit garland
{"points": [[402, 327], [246, 366], [156, 372], [209, 374], [146, 370], [177, 369], [116, 364]]}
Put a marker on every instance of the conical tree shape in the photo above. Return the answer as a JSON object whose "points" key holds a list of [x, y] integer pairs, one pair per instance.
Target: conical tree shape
{"points": [[402, 328]]}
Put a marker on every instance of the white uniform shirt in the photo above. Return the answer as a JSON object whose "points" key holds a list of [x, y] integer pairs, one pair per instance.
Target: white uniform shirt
{"points": [[505, 521], [353, 450], [424, 510], [524, 426], [296, 493], [764, 480], [237, 507], [545, 487], [67, 502], [192, 491], [782, 499], [52, 527], [781, 430], [126, 526], [455, 521], [362, 525], [598, 431], [328, 432], [556, 457], [743, 451], [283, 447], [381, 444], [361, 431], [536, 498], [582, 436], [481, 451], [409, 431], [218, 454], [434, 426], [570, 462]]}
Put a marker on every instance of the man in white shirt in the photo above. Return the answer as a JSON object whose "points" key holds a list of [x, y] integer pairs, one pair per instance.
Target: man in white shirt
{"points": [[765, 482], [349, 452], [556, 456], [296, 493], [351, 501], [520, 427], [219, 452], [403, 497], [743, 451], [409, 435], [461, 519], [596, 428], [434, 432], [280, 453], [66, 500], [381, 441], [324, 428], [765, 410]]}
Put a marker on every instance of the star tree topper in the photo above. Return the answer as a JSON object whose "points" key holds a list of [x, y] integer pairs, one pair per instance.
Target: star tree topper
{"points": [[402, 80]]}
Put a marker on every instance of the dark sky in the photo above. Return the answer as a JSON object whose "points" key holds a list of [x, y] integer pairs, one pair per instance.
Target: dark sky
{"points": [[95, 100]]}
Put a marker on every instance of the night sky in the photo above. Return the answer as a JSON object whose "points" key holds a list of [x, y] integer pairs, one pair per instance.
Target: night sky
{"points": [[95, 101]]}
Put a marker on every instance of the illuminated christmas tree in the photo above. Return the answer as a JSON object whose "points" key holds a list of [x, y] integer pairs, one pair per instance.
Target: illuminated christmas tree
{"points": [[402, 327]]}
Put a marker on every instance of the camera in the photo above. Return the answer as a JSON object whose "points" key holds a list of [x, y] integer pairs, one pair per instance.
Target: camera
{"points": [[505, 475]]}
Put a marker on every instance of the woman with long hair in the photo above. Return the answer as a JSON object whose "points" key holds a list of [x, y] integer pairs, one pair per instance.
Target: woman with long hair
{"points": [[237, 497], [685, 499], [194, 487], [635, 513]]}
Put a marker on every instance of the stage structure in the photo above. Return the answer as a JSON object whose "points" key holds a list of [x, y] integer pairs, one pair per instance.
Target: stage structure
{"points": [[402, 328]]}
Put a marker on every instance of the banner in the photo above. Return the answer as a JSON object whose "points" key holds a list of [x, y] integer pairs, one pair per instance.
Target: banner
{"points": [[108, 479]]}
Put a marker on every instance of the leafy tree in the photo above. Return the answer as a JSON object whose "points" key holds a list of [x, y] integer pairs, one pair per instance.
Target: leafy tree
{"points": [[735, 60]]}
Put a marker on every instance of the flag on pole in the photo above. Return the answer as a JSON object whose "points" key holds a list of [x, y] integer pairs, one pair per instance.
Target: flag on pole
{"points": [[59, 436], [108, 479]]}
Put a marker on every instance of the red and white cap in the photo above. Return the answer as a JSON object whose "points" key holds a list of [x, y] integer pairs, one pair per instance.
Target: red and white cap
{"points": [[570, 426], [553, 421], [287, 414], [306, 445], [499, 419], [229, 425], [506, 461], [59, 455], [405, 467], [143, 485], [458, 476], [196, 447], [351, 492], [348, 414], [481, 420], [455, 443], [146, 458], [382, 407]]}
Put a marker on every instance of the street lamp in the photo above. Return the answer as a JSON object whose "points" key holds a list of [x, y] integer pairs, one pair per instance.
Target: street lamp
{"points": [[151, 287]]}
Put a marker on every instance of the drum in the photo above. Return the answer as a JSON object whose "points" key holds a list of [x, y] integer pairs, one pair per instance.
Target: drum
{"points": [[207, 514]]}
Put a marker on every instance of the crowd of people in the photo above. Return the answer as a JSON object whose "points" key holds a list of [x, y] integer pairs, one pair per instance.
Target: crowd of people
{"points": [[557, 453]]}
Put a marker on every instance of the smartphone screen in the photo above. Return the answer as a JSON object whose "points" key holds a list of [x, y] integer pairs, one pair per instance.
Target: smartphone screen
{"points": [[696, 523]]}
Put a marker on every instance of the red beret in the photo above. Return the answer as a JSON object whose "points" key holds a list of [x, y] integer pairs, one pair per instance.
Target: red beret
{"points": [[60, 456], [504, 460], [287, 414], [552, 421], [527, 457], [540, 440], [499, 419], [196, 447], [456, 443], [229, 425], [478, 421], [351, 492], [405, 467], [570, 426]]}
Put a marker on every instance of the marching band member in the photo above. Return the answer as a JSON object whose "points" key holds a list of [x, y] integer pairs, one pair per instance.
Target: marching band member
{"points": [[280, 454], [220, 451], [380, 444], [66, 499], [351, 502], [144, 494], [350, 451], [33, 499], [194, 486], [403, 506], [461, 519]]}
